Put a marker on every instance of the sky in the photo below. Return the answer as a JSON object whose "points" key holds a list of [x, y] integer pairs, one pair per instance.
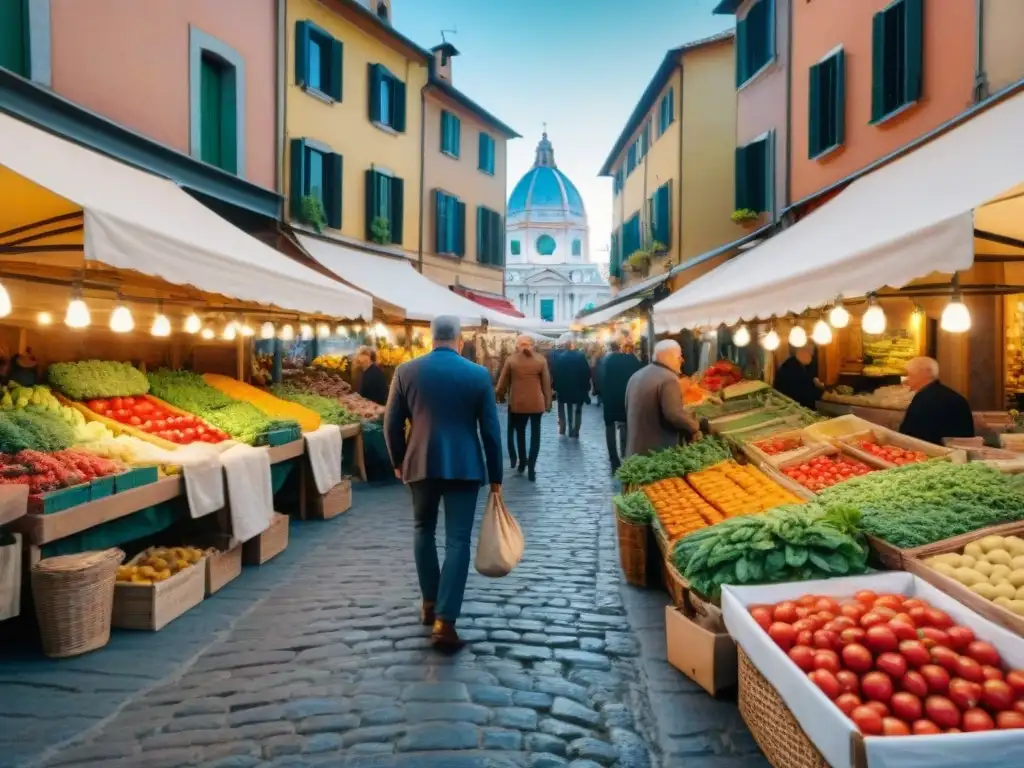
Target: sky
{"points": [[578, 65]]}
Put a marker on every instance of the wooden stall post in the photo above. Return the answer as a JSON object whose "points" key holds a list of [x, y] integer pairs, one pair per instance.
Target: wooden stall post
{"points": [[275, 367]]}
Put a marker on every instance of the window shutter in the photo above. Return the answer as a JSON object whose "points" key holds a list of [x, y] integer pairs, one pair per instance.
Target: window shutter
{"points": [[372, 184], [301, 52], [297, 175], [664, 215], [499, 240], [397, 209], [376, 75], [482, 152], [460, 229], [398, 94], [481, 254], [913, 35], [814, 113], [878, 66], [741, 178], [768, 22], [337, 70], [333, 183], [457, 140], [741, 52], [444, 131], [440, 222], [839, 89]]}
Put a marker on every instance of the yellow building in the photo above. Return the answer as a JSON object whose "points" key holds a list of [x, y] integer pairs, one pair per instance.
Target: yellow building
{"points": [[673, 163], [464, 185]]}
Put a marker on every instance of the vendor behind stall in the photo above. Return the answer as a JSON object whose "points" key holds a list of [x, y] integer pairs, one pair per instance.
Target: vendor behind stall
{"points": [[796, 380], [936, 410]]}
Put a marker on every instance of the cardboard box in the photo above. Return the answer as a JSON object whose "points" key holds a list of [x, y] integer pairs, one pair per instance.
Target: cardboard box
{"points": [[708, 658]]}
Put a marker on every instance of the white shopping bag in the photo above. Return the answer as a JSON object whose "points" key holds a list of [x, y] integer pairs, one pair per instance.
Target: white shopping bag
{"points": [[500, 547]]}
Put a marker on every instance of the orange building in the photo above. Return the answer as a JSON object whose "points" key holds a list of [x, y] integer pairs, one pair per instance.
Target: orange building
{"points": [[870, 77]]}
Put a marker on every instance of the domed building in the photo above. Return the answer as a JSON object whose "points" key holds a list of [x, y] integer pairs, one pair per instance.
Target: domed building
{"points": [[548, 273]]}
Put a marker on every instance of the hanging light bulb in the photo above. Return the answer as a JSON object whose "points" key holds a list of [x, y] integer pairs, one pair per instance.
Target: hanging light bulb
{"points": [[341, 331], [78, 313], [287, 332], [267, 330], [797, 336], [161, 325], [839, 317], [873, 322], [741, 336], [306, 331], [323, 330], [956, 317], [356, 328], [380, 331], [44, 318], [5, 301], [822, 333], [245, 329], [230, 331], [193, 324], [208, 333], [770, 341], [121, 320]]}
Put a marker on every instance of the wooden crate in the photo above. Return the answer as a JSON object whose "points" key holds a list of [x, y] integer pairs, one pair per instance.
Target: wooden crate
{"points": [[806, 450], [270, 543], [223, 559], [884, 436], [896, 559], [153, 607], [333, 503], [776, 473]]}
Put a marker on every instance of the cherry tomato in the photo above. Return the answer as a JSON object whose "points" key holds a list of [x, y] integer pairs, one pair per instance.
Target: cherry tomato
{"points": [[867, 720]]}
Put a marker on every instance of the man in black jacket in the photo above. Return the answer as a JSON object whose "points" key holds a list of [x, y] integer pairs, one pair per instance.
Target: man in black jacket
{"points": [[615, 371], [936, 410], [795, 379]]}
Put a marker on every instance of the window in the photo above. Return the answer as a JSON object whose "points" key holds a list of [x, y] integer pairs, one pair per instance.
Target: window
{"points": [[661, 214], [218, 113], [617, 181], [547, 310], [897, 57], [546, 245], [615, 256], [644, 141], [485, 148], [516, 248], [315, 172], [14, 49], [318, 61], [490, 237], [827, 104], [755, 40], [666, 111], [630, 158], [631, 240], [449, 224], [577, 247], [387, 99], [385, 199], [451, 133], [753, 179]]}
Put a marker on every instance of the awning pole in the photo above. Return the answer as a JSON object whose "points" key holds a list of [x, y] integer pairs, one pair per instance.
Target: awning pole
{"points": [[275, 366], [650, 331]]}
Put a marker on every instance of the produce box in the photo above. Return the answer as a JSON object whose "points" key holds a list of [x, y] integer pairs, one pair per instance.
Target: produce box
{"points": [[336, 501], [780, 447], [1009, 616], [743, 389], [825, 467], [101, 487], [58, 501], [135, 478], [154, 606], [881, 447], [1012, 441], [824, 728], [829, 430], [223, 559], [269, 544], [705, 655], [276, 437]]}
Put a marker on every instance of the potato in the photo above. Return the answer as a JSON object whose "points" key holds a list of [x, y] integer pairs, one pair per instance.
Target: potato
{"points": [[1015, 545], [1016, 577], [1017, 606], [1017, 562], [998, 557], [1020, 593], [1005, 590], [989, 543], [999, 574], [1003, 602], [974, 550], [950, 558], [969, 577], [945, 569], [984, 567], [966, 561], [986, 590]]}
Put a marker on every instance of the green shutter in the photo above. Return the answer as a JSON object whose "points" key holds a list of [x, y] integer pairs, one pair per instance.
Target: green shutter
{"points": [[301, 52], [398, 108], [741, 178], [913, 51], [457, 136], [481, 253], [376, 75], [397, 209], [878, 66], [372, 191], [210, 87], [768, 18], [333, 165], [482, 151], [336, 85], [839, 89], [297, 183], [814, 113], [663, 214], [460, 229], [499, 240], [440, 230], [14, 41], [228, 119], [741, 52]]}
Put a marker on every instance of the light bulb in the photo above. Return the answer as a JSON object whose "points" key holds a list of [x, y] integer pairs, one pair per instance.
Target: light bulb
{"points": [[230, 332], [306, 330], [323, 330], [267, 330], [356, 328], [193, 324], [121, 321], [287, 332], [208, 333], [770, 340], [246, 330], [839, 317], [77, 315], [161, 326], [741, 336], [873, 322], [380, 330], [5, 301], [797, 336], [956, 317], [341, 330], [44, 318], [822, 333]]}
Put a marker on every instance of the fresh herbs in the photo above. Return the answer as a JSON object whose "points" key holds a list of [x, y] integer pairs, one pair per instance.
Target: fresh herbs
{"points": [[329, 409], [635, 508], [36, 430], [89, 379], [673, 462]]}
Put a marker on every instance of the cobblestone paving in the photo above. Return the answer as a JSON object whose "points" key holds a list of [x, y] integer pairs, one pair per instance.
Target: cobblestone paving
{"points": [[327, 664]]}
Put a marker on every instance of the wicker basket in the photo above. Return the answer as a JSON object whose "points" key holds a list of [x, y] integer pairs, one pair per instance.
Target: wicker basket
{"points": [[772, 725], [632, 551], [74, 597]]}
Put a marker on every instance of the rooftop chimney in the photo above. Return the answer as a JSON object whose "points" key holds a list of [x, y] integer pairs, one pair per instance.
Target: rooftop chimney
{"points": [[443, 55], [382, 9]]}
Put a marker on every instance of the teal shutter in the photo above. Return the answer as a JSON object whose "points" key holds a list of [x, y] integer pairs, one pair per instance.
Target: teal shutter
{"points": [[333, 165], [481, 250], [878, 66], [768, 19], [444, 131], [814, 113], [663, 215], [741, 52], [398, 108], [440, 222], [336, 83], [498, 243], [372, 196], [839, 89], [913, 51], [228, 119], [457, 136], [14, 41], [301, 52], [460, 229], [210, 98], [376, 75], [741, 178], [397, 209], [297, 183], [482, 152]]}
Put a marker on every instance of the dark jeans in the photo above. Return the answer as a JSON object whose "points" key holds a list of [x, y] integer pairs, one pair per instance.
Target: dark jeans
{"points": [[570, 416], [443, 586], [518, 421], [610, 428]]}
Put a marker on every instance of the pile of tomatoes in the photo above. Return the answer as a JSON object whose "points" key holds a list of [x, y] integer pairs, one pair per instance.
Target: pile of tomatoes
{"points": [[897, 666], [825, 471], [151, 417], [773, 446], [892, 454]]}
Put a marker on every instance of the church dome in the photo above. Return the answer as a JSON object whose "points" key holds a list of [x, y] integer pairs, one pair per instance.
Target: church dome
{"points": [[545, 190]]}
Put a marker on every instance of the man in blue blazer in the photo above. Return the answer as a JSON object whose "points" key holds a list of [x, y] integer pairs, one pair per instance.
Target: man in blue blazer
{"points": [[450, 405]]}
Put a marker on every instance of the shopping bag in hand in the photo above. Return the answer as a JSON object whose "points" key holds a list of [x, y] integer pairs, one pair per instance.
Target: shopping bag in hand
{"points": [[501, 544]]}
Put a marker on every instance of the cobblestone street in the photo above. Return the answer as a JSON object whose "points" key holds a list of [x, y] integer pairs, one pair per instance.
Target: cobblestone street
{"points": [[317, 658]]}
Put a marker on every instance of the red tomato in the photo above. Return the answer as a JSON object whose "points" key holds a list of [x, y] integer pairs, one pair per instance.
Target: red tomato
{"points": [[858, 658], [946, 658], [867, 720], [914, 602], [839, 623], [880, 707], [808, 601], [848, 702], [942, 712], [853, 610], [785, 612], [914, 682], [1015, 678], [803, 657], [825, 640], [880, 639], [931, 637], [866, 596], [762, 615], [1007, 721], [984, 653], [805, 637], [827, 660], [852, 635], [925, 728], [871, 619], [782, 634], [997, 695], [894, 665], [959, 637], [884, 612], [892, 726], [895, 602], [969, 669], [135, 421], [992, 673], [116, 403], [876, 686], [826, 681], [826, 604], [939, 619], [977, 720], [936, 677], [918, 613], [801, 624], [906, 706], [848, 680], [903, 628], [964, 693], [915, 653]]}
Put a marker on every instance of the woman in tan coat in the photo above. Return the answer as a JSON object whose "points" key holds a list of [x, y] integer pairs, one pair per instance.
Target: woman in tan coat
{"points": [[526, 382]]}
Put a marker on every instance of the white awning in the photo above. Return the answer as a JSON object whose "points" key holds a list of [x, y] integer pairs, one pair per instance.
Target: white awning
{"points": [[906, 220], [135, 220], [608, 314]]}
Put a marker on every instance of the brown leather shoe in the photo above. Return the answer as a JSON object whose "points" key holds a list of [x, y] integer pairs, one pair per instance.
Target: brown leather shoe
{"points": [[427, 616], [444, 637]]}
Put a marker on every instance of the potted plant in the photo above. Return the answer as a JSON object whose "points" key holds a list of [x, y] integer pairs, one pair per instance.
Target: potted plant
{"points": [[745, 217], [313, 212], [657, 249], [639, 260], [380, 230]]}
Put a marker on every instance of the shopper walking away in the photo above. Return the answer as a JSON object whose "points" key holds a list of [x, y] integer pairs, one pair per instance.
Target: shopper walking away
{"points": [[571, 379], [450, 405], [526, 383], [936, 411], [373, 385], [655, 417], [614, 373], [553, 358]]}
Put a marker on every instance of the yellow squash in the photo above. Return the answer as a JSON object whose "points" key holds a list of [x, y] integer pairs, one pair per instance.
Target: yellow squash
{"points": [[270, 405]]}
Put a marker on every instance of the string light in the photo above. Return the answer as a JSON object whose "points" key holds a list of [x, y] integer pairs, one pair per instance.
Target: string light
{"points": [[822, 333], [78, 313], [341, 331], [208, 333], [287, 332], [44, 318], [380, 331], [246, 330], [230, 331], [193, 324], [5, 301], [121, 320], [770, 341], [306, 330], [161, 325], [741, 336], [267, 330], [873, 322], [797, 336], [956, 317], [323, 330], [839, 317]]}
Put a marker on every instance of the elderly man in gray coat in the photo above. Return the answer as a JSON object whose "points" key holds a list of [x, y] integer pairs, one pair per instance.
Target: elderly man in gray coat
{"points": [[655, 416]]}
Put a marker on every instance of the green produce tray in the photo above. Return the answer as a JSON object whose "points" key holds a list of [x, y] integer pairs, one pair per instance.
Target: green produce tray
{"points": [[135, 478], [101, 487], [277, 437], [58, 501]]}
